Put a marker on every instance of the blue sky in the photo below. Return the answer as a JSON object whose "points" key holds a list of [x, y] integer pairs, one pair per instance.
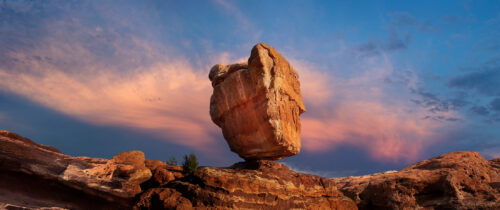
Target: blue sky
{"points": [[385, 83]]}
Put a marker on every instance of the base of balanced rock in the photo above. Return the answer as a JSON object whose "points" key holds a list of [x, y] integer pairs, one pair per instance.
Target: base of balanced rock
{"points": [[248, 185]]}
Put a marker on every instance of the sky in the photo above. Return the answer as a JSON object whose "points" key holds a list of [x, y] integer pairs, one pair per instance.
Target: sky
{"points": [[385, 83]]}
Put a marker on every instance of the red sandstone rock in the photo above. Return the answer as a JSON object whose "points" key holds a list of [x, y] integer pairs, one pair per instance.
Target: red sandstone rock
{"points": [[111, 181], [162, 173], [258, 104], [251, 185], [34, 176], [457, 180]]}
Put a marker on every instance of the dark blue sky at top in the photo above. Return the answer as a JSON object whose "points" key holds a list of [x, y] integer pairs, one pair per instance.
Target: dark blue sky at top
{"points": [[444, 54]]}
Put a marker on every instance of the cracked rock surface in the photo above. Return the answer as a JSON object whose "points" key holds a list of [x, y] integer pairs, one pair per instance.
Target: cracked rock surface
{"points": [[257, 104], [456, 180], [42, 176], [35, 176], [260, 184]]}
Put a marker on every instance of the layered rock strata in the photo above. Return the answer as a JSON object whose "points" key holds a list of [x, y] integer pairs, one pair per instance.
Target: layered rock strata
{"points": [[257, 104], [457, 180], [249, 185], [114, 181], [34, 176]]}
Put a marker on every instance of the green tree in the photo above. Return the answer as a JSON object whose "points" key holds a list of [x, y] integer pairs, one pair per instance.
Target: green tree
{"points": [[190, 163], [172, 161]]}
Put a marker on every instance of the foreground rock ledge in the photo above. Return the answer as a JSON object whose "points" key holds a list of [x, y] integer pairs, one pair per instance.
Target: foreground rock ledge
{"points": [[36, 176], [257, 105], [248, 185], [457, 180], [43, 176]]}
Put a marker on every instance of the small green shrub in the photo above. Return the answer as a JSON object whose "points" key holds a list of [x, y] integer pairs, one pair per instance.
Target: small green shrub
{"points": [[172, 161], [190, 163]]}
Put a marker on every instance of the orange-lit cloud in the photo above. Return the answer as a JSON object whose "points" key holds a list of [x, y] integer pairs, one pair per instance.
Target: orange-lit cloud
{"points": [[166, 98], [360, 112]]}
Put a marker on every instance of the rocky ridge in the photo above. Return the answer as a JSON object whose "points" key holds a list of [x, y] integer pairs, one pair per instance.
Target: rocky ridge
{"points": [[112, 181], [128, 181], [456, 180], [34, 176]]}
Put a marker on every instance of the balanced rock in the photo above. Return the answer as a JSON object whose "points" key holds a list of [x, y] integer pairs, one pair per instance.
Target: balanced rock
{"points": [[257, 105]]}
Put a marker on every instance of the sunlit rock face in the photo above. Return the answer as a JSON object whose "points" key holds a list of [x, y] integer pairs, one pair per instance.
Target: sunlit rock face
{"points": [[257, 105], [37, 175], [260, 184], [455, 180]]}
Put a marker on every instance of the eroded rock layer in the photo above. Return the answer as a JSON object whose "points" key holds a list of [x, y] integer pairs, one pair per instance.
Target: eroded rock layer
{"points": [[457, 180], [257, 104], [250, 185], [34, 176], [112, 182]]}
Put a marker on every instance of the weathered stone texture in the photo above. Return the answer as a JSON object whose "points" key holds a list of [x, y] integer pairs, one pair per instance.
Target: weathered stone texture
{"points": [[109, 182], [257, 105], [457, 180], [34, 176], [250, 185]]}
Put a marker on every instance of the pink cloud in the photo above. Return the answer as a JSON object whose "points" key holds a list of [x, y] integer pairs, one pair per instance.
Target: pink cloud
{"points": [[166, 98], [360, 111]]}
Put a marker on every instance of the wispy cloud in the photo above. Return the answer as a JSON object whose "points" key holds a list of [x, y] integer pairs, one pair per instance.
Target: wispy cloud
{"points": [[495, 104], [483, 81], [405, 19], [101, 76], [362, 112], [168, 98], [243, 22], [480, 110], [480, 84]]}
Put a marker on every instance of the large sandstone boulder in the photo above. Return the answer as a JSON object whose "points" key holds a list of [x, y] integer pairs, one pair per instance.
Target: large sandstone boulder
{"points": [[257, 105]]}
